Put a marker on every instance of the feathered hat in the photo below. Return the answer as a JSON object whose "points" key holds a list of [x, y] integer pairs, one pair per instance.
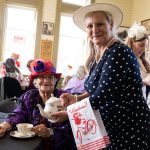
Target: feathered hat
{"points": [[137, 32], [42, 67]]}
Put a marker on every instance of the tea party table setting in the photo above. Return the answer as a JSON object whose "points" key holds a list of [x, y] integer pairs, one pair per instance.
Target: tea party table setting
{"points": [[22, 138]]}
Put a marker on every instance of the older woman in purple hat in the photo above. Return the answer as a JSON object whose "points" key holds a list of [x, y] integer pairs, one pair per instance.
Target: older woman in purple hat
{"points": [[45, 76]]}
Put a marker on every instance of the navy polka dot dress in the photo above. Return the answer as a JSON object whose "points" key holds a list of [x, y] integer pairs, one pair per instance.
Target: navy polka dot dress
{"points": [[115, 88]]}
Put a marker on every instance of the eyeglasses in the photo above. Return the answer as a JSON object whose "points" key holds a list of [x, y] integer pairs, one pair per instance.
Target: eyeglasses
{"points": [[47, 77]]}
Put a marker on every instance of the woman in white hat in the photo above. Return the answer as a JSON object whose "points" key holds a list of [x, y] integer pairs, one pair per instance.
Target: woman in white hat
{"points": [[138, 41], [114, 85]]}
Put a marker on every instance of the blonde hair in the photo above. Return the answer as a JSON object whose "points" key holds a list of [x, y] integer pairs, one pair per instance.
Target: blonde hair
{"points": [[129, 43]]}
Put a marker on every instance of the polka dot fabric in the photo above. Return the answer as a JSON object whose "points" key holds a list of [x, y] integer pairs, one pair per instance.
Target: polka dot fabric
{"points": [[115, 88]]}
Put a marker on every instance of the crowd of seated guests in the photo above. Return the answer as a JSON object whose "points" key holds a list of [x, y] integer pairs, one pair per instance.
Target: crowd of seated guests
{"points": [[75, 84]]}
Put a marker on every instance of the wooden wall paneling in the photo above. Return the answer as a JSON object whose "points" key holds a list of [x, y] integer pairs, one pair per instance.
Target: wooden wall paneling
{"points": [[46, 50]]}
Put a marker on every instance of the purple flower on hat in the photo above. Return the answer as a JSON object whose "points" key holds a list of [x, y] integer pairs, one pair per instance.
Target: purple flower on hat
{"points": [[40, 67], [53, 70]]}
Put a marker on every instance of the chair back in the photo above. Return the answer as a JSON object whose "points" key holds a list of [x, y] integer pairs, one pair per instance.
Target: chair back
{"points": [[1, 89], [10, 88], [8, 105]]}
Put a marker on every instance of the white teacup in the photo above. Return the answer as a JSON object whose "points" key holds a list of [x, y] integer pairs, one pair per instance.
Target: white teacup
{"points": [[24, 128]]}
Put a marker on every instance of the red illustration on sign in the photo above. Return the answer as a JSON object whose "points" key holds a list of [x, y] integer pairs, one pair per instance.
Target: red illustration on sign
{"points": [[83, 126]]}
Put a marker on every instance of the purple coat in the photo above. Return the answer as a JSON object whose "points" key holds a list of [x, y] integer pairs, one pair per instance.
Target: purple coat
{"points": [[27, 111]]}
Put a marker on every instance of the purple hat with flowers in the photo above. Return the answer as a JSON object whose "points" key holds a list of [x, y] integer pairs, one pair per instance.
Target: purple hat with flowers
{"points": [[42, 67]]}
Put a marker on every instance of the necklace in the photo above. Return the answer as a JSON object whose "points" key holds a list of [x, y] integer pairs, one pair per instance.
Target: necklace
{"points": [[101, 51]]}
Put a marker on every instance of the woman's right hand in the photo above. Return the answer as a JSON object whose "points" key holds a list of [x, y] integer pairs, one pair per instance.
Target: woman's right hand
{"points": [[67, 99], [4, 127], [146, 80]]}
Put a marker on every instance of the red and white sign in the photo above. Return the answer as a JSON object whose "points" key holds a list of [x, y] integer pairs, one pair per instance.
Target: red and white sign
{"points": [[87, 126]]}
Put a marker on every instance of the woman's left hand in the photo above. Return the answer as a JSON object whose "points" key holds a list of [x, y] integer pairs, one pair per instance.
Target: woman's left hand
{"points": [[60, 116], [41, 130]]}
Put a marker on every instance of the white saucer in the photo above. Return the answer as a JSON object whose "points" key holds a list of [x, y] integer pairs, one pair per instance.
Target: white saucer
{"points": [[20, 135]]}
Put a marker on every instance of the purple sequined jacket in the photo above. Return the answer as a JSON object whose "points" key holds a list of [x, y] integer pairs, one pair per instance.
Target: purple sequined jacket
{"points": [[27, 111]]}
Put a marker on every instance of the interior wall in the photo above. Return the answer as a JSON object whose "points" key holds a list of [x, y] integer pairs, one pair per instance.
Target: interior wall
{"points": [[133, 10], [126, 6], [141, 10], [49, 15]]}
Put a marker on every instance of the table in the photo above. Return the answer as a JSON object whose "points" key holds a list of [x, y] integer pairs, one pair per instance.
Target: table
{"points": [[10, 143]]}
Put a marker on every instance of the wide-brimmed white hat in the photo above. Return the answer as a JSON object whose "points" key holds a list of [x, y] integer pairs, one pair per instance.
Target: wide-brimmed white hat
{"points": [[79, 15]]}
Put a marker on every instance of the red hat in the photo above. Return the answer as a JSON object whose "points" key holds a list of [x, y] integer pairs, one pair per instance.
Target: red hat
{"points": [[42, 67]]}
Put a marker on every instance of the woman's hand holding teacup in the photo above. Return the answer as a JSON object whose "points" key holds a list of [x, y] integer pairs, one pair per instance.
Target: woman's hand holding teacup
{"points": [[2, 131], [4, 127], [41, 130]]}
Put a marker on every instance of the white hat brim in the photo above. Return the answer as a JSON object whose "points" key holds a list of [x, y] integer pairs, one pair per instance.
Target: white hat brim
{"points": [[79, 15]]}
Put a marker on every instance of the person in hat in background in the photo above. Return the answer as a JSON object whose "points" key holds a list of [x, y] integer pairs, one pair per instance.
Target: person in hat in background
{"points": [[27, 111], [138, 41], [114, 84]]}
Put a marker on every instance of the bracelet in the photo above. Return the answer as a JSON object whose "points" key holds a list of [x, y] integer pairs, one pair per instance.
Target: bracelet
{"points": [[76, 97], [51, 131]]}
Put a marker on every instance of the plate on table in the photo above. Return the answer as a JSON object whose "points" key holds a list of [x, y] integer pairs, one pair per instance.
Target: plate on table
{"points": [[17, 134]]}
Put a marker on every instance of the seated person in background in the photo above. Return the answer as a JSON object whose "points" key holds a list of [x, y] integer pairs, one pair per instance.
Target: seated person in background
{"points": [[8, 69], [15, 57], [65, 81], [29, 63], [31, 84], [75, 84], [138, 41], [44, 73]]}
